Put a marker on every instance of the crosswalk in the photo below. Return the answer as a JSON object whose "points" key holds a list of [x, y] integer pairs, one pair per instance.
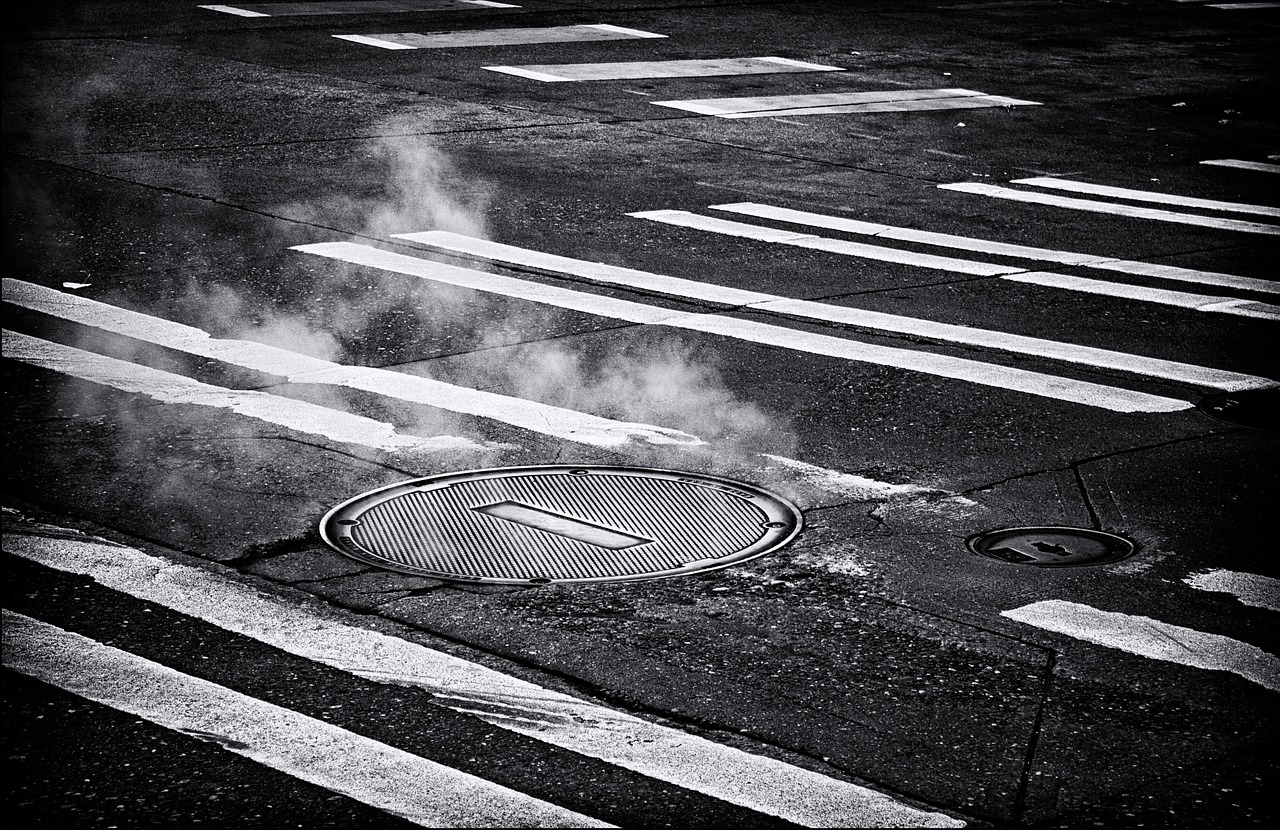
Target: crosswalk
{"points": [[426, 793], [587, 32], [845, 103], [1001, 249], [636, 70], [387, 777], [324, 7], [735, 328], [293, 367], [761, 106], [1114, 208], [845, 315], [433, 794], [1183, 299], [591, 429], [1151, 638]]}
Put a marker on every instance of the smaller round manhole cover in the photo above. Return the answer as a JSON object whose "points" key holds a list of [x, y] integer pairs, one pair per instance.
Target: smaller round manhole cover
{"points": [[1051, 547], [536, 525], [1253, 408]]}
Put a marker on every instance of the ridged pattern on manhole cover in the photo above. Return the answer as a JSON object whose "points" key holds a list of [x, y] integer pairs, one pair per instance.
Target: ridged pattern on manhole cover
{"points": [[561, 524]]}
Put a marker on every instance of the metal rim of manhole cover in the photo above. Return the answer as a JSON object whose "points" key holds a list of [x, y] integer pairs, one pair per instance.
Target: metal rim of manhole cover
{"points": [[1253, 408], [561, 524], [1051, 547]]}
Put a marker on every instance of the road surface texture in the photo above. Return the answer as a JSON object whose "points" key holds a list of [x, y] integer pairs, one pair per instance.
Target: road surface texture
{"points": [[922, 270]]}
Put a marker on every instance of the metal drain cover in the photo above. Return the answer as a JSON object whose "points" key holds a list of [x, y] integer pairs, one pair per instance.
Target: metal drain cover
{"points": [[1254, 408], [521, 525], [1051, 547]]}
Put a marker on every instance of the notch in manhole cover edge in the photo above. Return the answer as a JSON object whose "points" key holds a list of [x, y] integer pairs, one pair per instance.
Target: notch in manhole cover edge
{"points": [[494, 526], [1051, 546], [1252, 408]]}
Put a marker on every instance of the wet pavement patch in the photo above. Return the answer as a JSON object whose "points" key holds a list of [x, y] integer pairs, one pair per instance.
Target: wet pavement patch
{"points": [[1051, 547], [562, 523], [1254, 408]]}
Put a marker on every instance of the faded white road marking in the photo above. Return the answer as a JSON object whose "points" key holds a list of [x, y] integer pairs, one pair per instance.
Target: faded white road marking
{"points": [[975, 102], [298, 368], [1242, 6], [685, 219], [1199, 376], [423, 792], [1073, 186], [852, 486], [971, 371], [666, 754], [1250, 589], [500, 37], [349, 7], [381, 41], [1258, 166], [233, 10], [1223, 305], [169, 388], [893, 100], [1147, 637], [1131, 211], [1181, 299], [660, 69], [965, 243]]}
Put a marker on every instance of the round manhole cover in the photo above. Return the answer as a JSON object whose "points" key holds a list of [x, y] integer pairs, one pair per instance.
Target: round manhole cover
{"points": [[1051, 547], [1254, 408], [521, 525]]}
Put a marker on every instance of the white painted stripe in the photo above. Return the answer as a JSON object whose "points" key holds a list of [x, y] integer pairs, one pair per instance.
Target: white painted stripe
{"points": [[660, 752], [971, 371], [1243, 6], [607, 27], [715, 106], [499, 37], [528, 73], [1072, 186], [561, 423], [1181, 299], [817, 67], [594, 271], [1259, 166], [761, 233], [370, 40], [634, 70], [1131, 211], [966, 243], [1147, 637], [169, 388], [1200, 302], [925, 105], [1250, 589], [1199, 376], [233, 10], [353, 7], [850, 485], [423, 792]]}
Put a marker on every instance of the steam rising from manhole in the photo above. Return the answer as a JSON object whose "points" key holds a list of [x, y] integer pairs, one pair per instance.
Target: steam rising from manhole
{"points": [[1051, 547], [550, 524]]}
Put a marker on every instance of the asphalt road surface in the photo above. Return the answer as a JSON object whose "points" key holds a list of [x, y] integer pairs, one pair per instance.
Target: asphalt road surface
{"points": [[921, 270]]}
